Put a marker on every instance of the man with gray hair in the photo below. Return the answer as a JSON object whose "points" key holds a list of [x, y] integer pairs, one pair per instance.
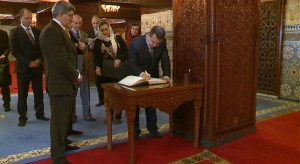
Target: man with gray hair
{"points": [[61, 76]]}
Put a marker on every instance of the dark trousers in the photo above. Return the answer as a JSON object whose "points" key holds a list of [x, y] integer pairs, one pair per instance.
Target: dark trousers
{"points": [[60, 120], [99, 89], [5, 95], [99, 81], [23, 80], [73, 108], [151, 120]]}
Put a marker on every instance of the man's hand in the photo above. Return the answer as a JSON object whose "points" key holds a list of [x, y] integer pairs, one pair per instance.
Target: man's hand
{"points": [[78, 80], [32, 64], [146, 75], [2, 57], [166, 78], [117, 63], [81, 46], [38, 62], [98, 71]]}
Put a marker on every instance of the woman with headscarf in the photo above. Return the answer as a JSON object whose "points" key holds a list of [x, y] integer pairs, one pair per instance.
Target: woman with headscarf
{"points": [[133, 31], [112, 47]]}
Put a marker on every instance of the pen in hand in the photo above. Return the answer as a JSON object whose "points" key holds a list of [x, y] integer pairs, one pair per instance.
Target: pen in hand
{"points": [[146, 75]]}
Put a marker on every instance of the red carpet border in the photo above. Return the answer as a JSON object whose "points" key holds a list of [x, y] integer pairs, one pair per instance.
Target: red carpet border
{"points": [[275, 142]]}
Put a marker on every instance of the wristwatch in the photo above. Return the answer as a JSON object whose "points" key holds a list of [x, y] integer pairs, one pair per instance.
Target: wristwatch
{"points": [[97, 67]]}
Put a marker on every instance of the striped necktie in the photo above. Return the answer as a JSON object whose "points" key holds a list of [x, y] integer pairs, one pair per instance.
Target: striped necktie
{"points": [[151, 52], [30, 35], [77, 35]]}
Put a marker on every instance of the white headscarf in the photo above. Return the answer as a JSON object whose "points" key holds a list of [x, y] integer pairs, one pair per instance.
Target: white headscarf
{"points": [[111, 38]]}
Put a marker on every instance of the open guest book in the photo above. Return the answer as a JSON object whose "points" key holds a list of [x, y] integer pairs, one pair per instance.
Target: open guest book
{"points": [[136, 80]]}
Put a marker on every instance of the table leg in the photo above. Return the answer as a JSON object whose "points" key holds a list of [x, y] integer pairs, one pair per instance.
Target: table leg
{"points": [[197, 103], [171, 124], [130, 114], [109, 128]]}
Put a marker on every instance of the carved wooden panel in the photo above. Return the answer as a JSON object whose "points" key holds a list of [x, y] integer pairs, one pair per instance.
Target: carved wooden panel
{"points": [[269, 58], [236, 64], [87, 7], [14, 8], [218, 41], [189, 40]]}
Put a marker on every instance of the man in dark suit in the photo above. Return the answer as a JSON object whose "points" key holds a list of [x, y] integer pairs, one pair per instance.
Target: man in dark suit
{"points": [[93, 33], [145, 53], [25, 47], [61, 74], [5, 77]]}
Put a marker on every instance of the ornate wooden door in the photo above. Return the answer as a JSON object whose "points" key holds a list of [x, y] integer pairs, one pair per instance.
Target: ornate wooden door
{"points": [[270, 41], [218, 42]]}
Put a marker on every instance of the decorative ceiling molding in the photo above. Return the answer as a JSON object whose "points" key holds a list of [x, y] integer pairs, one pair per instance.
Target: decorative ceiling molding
{"points": [[21, 1]]}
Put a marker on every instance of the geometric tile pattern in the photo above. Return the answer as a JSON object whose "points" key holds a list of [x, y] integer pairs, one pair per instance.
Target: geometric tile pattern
{"points": [[290, 72], [205, 155], [291, 12]]}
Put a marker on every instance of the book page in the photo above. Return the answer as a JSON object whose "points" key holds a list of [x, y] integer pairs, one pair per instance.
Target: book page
{"points": [[156, 81], [132, 80]]}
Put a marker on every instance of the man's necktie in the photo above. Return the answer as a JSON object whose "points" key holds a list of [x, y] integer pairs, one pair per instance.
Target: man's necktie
{"points": [[68, 33], [77, 35], [151, 52], [96, 32], [30, 35]]}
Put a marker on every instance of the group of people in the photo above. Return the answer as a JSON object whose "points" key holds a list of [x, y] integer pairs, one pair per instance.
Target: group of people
{"points": [[64, 47]]}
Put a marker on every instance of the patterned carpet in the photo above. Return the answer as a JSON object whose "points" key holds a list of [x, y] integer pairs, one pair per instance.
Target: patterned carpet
{"points": [[267, 108]]}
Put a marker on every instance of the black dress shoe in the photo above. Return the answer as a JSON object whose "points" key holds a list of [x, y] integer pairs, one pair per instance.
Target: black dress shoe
{"points": [[91, 119], [137, 134], [43, 118], [22, 123], [68, 141], [6, 109], [154, 135], [75, 132], [68, 147], [101, 102]]}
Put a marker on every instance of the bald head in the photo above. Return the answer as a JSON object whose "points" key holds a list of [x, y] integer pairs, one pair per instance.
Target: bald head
{"points": [[95, 21], [77, 23], [25, 17]]}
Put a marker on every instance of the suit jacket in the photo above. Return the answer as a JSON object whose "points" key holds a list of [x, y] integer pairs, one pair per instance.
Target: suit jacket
{"points": [[91, 34], [60, 54], [4, 47], [84, 39], [140, 58], [24, 51]]}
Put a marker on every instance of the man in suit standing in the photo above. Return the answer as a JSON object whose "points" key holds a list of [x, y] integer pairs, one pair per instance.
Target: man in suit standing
{"points": [[25, 47], [145, 53], [5, 77], [93, 33], [83, 68], [61, 76]]}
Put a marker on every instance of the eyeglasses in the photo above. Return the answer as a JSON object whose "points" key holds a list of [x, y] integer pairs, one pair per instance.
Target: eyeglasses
{"points": [[70, 15]]}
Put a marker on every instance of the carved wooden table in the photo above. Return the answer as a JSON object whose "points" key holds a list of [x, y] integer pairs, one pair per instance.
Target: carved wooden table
{"points": [[165, 97]]}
